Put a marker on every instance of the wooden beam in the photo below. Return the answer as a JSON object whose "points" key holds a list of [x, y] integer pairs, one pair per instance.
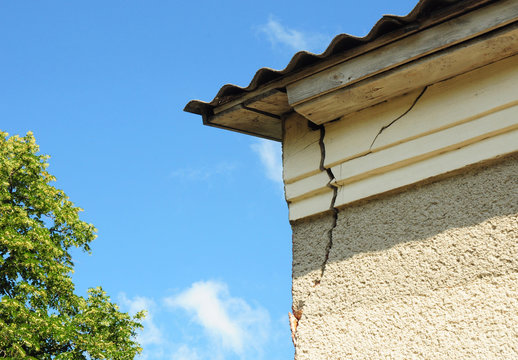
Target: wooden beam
{"points": [[487, 149], [426, 147], [398, 53], [433, 68], [301, 149], [438, 17], [249, 122]]}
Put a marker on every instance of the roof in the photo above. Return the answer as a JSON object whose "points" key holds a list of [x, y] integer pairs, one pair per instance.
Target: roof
{"points": [[257, 108]]}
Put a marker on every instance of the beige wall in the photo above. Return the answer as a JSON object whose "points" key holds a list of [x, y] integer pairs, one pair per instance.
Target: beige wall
{"points": [[428, 273]]}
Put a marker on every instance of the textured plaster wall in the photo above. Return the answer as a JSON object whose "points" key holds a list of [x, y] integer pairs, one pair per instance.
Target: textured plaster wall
{"points": [[428, 273], [310, 245]]}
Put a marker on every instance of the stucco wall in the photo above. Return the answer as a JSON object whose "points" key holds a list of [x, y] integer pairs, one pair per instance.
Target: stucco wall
{"points": [[428, 273]]}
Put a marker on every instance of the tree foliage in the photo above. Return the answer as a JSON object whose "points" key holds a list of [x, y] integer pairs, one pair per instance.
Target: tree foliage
{"points": [[40, 315]]}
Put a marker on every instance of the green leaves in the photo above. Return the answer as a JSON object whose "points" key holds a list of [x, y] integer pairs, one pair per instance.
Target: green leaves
{"points": [[40, 315]]}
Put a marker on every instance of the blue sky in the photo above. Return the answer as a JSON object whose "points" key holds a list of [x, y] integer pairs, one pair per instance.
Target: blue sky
{"points": [[192, 221]]}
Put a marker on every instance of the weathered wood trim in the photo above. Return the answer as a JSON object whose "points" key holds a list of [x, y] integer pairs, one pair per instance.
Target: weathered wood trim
{"points": [[440, 16], [426, 147], [484, 150], [418, 74], [308, 186], [409, 49], [248, 121], [312, 205], [446, 104], [301, 146]]}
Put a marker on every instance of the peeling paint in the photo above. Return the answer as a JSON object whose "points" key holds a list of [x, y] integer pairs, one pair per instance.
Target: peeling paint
{"points": [[294, 321]]}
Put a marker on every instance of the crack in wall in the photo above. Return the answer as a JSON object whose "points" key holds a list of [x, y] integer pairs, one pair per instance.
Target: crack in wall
{"points": [[295, 317], [331, 206], [298, 310], [335, 188], [399, 117], [304, 148]]}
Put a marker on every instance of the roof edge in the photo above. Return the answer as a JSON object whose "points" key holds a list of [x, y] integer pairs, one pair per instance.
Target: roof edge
{"points": [[341, 45]]}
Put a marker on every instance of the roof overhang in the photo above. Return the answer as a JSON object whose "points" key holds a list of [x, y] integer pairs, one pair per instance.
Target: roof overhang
{"points": [[437, 40]]}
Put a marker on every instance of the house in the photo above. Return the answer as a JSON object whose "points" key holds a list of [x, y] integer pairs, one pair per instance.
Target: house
{"points": [[400, 164]]}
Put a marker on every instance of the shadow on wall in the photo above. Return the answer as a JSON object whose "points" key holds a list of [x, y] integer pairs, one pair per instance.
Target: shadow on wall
{"points": [[450, 207]]}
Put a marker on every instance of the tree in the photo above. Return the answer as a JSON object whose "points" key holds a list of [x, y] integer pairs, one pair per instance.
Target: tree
{"points": [[40, 315]]}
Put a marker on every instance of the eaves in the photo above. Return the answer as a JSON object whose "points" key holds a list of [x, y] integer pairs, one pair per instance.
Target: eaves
{"points": [[432, 29]]}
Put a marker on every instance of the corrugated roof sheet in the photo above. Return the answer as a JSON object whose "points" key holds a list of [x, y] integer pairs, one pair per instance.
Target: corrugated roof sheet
{"points": [[341, 44]]}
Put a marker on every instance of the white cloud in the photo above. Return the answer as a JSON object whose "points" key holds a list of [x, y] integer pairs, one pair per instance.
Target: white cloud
{"points": [[230, 322], [231, 327], [294, 39], [271, 157]]}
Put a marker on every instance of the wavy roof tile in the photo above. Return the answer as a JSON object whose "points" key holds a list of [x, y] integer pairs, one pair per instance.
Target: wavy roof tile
{"points": [[341, 46]]}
